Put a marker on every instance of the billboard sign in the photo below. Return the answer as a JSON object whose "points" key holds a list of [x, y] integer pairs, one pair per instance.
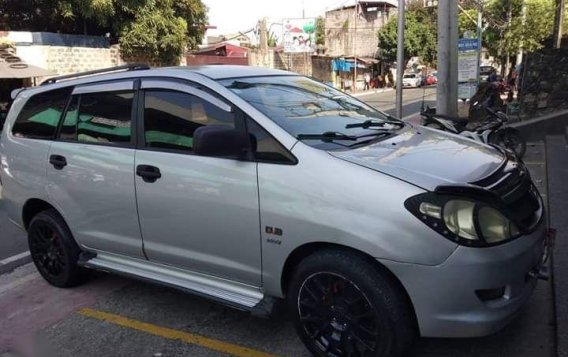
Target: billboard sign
{"points": [[298, 35]]}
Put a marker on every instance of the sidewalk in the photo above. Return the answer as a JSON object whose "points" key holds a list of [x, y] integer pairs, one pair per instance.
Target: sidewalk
{"points": [[557, 160]]}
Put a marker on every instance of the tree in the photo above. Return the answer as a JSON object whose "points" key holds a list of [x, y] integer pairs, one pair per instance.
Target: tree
{"points": [[506, 30], [419, 39], [159, 30], [320, 31]]}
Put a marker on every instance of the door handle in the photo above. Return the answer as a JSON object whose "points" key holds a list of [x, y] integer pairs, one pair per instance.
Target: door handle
{"points": [[58, 161], [148, 173]]}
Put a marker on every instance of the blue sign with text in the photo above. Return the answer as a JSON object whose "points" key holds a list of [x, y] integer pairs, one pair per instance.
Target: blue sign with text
{"points": [[468, 44]]}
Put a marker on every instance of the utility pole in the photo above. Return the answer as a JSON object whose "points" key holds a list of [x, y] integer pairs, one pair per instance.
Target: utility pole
{"points": [[558, 23], [479, 41], [400, 64], [354, 85], [447, 91], [523, 21]]}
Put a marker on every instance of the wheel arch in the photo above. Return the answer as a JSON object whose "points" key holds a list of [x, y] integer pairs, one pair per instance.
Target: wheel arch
{"points": [[32, 207], [303, 251]]}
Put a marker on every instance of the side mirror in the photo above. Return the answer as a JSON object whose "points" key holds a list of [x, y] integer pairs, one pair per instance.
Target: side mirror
{"points": [[220, 141]]}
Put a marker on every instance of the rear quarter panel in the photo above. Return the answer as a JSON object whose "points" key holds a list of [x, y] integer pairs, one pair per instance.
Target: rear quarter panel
{"points": [[22, 166]]}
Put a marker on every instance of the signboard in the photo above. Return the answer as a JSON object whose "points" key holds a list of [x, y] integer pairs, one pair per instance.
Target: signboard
{"points": [[298, 35], [468, 44], [467, 67], [466, 90]]}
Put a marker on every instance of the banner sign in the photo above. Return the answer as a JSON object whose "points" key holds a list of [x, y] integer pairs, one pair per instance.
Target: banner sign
{"points": [[298, 35]]}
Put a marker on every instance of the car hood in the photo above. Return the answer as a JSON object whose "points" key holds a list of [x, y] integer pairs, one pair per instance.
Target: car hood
{"points": [[427, 158]]}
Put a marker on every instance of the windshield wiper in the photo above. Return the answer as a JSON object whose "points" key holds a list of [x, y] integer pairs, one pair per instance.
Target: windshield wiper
{"points": [[328, 136], [371, 123]]}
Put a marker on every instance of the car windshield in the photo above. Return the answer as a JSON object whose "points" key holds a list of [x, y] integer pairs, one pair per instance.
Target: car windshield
{"points": [[409, 76], [306, 108]]}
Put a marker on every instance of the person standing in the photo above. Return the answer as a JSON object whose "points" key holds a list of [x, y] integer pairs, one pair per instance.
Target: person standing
{"points": [[367, 77]]}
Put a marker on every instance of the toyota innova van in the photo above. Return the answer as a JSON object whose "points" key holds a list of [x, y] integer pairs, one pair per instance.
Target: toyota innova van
{"points": [[252, 187]]}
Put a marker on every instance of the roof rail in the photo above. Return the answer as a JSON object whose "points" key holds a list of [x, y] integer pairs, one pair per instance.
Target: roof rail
{"points": [[126, 67]]}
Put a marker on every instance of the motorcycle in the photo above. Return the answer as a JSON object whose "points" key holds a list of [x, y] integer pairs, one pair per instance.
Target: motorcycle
{"points": [[493, 130]]}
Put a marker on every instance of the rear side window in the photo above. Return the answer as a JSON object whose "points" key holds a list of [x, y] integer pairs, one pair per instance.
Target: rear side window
{"points": [[171, 117], [103, 118], [40, 116]]}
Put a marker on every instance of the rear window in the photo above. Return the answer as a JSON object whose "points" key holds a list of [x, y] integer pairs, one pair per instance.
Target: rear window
{"points": [[40, 116]]}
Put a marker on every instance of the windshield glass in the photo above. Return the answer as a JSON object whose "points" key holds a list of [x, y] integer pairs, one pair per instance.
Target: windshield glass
{"points": [[302, 106], [409, 76]]}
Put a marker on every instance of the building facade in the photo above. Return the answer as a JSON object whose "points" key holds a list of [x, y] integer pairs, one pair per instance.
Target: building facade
{"points": [[351, 30]]}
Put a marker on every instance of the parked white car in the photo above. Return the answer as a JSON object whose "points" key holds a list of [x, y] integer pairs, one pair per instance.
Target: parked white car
{"points": [[412, 80]]}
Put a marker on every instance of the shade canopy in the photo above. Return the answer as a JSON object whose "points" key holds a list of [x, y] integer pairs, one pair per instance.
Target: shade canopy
{"points": [[21, 70]]}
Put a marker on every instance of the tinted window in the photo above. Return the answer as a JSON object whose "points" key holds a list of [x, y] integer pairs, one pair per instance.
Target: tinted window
{"points": [[40, 115], [171, 117], [266, 148], [104, 117]]}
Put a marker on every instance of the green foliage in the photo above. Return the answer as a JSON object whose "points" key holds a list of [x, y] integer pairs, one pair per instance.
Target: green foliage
{"points": [[156, 34], [419, 39], [320, 31], [272, 40], [506, 30], [159, 30]]}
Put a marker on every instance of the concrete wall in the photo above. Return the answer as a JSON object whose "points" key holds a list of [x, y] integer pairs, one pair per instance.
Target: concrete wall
{"points": [[65, 54], [348, 34], [321, 68], [300, 63]]}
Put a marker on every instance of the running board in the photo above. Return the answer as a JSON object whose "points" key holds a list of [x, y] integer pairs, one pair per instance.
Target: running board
{"points": [[237, 295]]}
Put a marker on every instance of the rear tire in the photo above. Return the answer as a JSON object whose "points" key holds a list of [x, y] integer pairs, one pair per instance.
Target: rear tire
{"points": [[54, 251], [342, 304]]}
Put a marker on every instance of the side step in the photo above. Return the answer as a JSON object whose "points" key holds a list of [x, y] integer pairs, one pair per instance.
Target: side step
{"points": [[237, 295]]}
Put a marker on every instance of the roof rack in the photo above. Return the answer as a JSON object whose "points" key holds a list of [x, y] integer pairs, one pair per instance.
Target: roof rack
{"points": [[126, 67]]}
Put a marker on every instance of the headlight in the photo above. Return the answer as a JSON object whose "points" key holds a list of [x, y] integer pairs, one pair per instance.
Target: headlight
{"points": [[494, 226], [466, 221], [458, 216]]}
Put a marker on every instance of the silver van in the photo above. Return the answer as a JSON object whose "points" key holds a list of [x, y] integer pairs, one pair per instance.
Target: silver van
{"points": [[252, 187]]}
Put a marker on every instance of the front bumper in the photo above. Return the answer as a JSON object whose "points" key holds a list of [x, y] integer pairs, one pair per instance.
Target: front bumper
{"points": [[444, 296]]}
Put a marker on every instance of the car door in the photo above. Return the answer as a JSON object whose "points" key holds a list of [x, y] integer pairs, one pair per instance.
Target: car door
{"points": [[198, 213], [91, 168]]}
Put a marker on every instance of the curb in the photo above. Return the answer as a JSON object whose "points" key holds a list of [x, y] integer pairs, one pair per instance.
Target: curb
{"points": [[369, 92], [11, 263]]}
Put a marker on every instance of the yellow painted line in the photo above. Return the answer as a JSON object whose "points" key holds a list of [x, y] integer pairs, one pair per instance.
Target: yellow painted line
{"points": [[172, 334]]}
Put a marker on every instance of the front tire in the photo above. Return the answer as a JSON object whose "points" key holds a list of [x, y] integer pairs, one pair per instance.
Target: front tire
{"points": [[54, 251], [343, 305]]}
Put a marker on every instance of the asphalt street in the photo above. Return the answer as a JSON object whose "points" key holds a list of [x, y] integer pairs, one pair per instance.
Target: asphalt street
{"points": [[115, 316]]}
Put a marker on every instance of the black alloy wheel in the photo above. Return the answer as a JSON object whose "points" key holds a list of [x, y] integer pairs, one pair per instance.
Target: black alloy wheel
{"points": [[47, 250], [343, 304], [54, 251], [338, 316]]}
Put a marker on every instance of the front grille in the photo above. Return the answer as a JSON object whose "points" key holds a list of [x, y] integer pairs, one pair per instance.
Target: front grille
{"points": [[513, 184]]}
